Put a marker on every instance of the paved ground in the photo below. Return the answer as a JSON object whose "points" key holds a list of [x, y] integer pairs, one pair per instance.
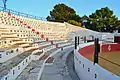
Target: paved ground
{"points": [[70, 65], [31, 71], [59, 70]]}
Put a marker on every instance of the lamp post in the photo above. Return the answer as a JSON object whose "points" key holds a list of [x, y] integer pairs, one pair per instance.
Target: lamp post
{"points": [[4, 3]]}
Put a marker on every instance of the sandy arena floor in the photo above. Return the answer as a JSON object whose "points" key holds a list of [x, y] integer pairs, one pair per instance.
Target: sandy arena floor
{"points": [[108, 60]]}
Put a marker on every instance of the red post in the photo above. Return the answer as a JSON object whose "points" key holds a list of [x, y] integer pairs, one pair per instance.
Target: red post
{"points": [[42, 36], [57, 46], [37, 32], [51, 42], [46, 39], [29, 27], [33, 30], [9, 14]]}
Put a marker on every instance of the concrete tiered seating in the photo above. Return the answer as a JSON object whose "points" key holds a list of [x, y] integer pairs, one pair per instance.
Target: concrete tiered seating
{"points": [[51, 30], [24, 39]]}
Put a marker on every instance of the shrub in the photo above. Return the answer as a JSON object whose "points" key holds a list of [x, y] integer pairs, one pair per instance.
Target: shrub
{"points": [[74, 22]]}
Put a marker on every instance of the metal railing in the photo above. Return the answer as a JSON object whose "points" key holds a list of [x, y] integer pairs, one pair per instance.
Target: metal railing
{"points": [[21, 14]]}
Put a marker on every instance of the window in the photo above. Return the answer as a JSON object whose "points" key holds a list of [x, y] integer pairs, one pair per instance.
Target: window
{"points": [[0, 56]]}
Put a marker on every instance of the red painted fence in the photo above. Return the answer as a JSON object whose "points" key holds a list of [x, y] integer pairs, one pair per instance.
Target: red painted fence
{"points": [[86, 50], [110, 47], [105, 48]]}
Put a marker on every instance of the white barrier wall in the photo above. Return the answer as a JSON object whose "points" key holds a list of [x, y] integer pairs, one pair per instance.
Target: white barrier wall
{"points": [[68, 47], [44, 43], [6, 56], [49, 48], [56, 42], [61, 45], [86, 70], [14, 72]]}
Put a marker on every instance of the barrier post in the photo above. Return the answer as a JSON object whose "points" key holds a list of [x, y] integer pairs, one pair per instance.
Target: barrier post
{"points": [[78, 40], [75, 42], [85, 39], [96, 50]]}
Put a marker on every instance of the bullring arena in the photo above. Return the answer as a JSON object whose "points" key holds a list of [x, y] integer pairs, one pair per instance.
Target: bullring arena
{"points": [[108, 56], [33, 49], [108, 65]]}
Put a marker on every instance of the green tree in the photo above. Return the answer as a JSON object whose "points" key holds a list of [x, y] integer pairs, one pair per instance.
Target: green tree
{"points": [[62, 12], [102, 20]]}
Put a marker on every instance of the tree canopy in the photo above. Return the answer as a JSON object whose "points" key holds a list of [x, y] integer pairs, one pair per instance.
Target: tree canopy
{"points": [[102, 20], [62, 12]]}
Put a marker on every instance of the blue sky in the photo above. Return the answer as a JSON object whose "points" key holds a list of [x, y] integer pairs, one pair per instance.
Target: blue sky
{"points": [[42, 7]]}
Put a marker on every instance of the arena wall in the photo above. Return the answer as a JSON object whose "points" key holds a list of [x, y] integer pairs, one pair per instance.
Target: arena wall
{"points": [[86, 69]]}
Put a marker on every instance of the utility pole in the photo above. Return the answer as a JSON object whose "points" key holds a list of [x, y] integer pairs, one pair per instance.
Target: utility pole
{"points": [[4, 3]]}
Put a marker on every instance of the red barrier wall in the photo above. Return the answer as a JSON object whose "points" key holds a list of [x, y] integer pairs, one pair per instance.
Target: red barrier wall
{"points": [[105, 48], [87, 50], [110, 47]]}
